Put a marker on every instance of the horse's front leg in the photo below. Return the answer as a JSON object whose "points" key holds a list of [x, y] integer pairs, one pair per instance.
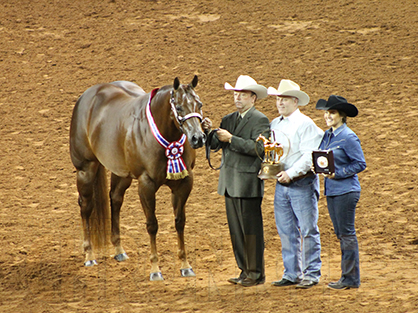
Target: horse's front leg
{"points": [[118, 188], [146, 191], [179, 197]]}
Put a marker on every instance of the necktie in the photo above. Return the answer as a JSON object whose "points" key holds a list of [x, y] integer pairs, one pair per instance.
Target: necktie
{"points": [[239, 118]]}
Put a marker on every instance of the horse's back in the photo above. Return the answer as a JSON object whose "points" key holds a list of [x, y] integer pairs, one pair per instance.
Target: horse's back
{"points": [[129, 87], [101, 119]]}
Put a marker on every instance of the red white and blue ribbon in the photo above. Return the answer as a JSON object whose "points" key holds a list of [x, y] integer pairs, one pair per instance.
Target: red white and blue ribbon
{"points": [[176, 169]]}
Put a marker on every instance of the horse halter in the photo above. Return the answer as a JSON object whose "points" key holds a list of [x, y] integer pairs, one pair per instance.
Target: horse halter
{"points": [[181, 119]]}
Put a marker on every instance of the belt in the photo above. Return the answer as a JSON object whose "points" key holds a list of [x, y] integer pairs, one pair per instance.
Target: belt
{"points": [[308, 174]]}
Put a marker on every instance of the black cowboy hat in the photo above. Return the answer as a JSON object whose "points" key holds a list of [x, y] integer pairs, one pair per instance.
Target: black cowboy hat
{"points": [[337, 103]]}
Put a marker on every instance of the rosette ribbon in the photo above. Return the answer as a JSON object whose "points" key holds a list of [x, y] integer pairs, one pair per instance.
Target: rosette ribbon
{"points": [[176, 169]]}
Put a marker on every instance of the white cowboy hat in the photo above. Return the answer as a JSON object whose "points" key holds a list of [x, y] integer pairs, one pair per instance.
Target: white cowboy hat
{"points": [[290, 89], [245, 82]]}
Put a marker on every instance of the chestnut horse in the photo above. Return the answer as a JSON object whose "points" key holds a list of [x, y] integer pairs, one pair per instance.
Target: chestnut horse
{"points": [[149, 137]]}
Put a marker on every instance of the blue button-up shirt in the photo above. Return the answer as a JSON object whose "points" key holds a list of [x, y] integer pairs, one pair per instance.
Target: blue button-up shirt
{"points": [[348, 159]]}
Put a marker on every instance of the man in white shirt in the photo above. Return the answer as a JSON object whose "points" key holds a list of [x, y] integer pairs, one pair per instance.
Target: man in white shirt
{"points": [[297, 189]]}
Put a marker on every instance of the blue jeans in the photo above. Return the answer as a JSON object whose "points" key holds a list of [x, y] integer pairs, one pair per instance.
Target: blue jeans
{"points": [[296, 214], [342, 210]]}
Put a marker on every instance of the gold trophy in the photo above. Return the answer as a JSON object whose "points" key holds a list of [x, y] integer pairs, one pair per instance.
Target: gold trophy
{"points": [[273, 151]]}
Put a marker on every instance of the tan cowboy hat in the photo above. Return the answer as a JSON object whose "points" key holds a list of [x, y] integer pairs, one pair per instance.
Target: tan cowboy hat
{"points": [[247, 83], [290, 89]]}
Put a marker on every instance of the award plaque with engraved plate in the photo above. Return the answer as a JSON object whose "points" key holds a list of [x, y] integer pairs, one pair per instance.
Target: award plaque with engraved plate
{"points": [[323, 161]]}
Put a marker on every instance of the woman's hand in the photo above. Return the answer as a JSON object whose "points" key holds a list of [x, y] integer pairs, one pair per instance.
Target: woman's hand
{"points": [[313, 169]]}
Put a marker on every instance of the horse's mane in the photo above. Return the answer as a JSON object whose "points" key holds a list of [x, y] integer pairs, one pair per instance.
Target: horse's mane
{"points": [[162, 93], [166, 87]]}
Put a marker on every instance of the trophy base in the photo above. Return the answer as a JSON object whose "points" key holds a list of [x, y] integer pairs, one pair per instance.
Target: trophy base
{"points": [[269, 171]]}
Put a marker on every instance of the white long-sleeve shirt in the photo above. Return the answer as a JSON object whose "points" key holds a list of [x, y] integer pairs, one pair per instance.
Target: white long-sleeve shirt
{"points": [[303, 136]]}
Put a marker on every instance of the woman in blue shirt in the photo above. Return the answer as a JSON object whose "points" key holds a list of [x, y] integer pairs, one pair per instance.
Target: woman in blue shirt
{"points": [[342, 188]]}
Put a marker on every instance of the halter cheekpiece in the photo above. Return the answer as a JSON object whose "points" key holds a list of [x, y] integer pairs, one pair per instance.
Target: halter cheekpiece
{"points": [[181, 119]]}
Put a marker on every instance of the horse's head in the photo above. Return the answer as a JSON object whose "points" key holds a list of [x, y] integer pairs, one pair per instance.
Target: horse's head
{"points": [[261, 137], [187, 110]]}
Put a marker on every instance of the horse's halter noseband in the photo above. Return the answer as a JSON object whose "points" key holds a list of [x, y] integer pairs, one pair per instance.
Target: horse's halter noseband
{"points": [[181, 119]]}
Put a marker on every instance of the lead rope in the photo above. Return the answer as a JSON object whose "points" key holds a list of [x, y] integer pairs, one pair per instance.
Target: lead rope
{"points": [[207, 149]]}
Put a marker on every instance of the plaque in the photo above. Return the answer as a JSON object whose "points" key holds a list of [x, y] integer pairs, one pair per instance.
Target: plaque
{"points": [[323, 161]]}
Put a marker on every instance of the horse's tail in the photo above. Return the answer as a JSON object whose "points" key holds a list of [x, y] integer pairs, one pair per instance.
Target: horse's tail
{"points": [[99, 225]]}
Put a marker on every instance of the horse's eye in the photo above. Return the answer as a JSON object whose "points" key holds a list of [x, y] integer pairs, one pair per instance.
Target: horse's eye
{"points": [[179, 108]]}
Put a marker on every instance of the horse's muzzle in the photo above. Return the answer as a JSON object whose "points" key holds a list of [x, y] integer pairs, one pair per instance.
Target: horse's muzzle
{"points": [[197, 140]]}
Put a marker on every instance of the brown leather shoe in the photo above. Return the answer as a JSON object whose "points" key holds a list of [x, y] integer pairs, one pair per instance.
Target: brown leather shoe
{"points": [[248, 282]]}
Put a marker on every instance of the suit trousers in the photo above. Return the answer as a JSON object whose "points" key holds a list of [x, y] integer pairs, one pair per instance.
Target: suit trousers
{"points": [[245, 223]]}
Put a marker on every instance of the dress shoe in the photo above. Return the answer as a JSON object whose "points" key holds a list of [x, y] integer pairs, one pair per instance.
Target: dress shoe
{"points": [[339, 286], [234, 280], [283, 283], [248, 282], [306, 284]]}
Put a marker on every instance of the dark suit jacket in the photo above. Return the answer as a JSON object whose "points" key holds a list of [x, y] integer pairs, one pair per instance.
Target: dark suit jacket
{"points": [[238, 175]]}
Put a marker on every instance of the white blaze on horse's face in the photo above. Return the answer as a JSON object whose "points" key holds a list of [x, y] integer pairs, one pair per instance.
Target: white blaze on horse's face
{"points": [[193, 102], [188, 111]]}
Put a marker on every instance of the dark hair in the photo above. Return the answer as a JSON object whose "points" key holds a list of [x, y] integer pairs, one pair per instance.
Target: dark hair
{"points": [[343, 116], [254, 94]]}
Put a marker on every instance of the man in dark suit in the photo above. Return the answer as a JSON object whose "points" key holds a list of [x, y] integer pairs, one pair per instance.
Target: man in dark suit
{"points": [[238, 180]]}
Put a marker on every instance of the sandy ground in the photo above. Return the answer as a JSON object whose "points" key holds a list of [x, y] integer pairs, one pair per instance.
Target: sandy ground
{"points": [[51, 51]]}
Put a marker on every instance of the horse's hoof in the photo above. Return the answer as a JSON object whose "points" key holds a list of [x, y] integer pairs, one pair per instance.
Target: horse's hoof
{"points": [[187, 272], [121, 257], [90, 263], [156, 276]]}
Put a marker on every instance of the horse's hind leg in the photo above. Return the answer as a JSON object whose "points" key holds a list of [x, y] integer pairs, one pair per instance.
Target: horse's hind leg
{"points": [[117, 193], [179, 198], [85, 186]]}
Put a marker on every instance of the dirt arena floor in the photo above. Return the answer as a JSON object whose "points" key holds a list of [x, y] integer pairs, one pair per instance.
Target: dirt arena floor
{"points": [[51, 51]]}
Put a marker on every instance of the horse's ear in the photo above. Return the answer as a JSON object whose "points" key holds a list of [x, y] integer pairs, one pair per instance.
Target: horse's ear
{"points": [[176, 83], [194, 81]]}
